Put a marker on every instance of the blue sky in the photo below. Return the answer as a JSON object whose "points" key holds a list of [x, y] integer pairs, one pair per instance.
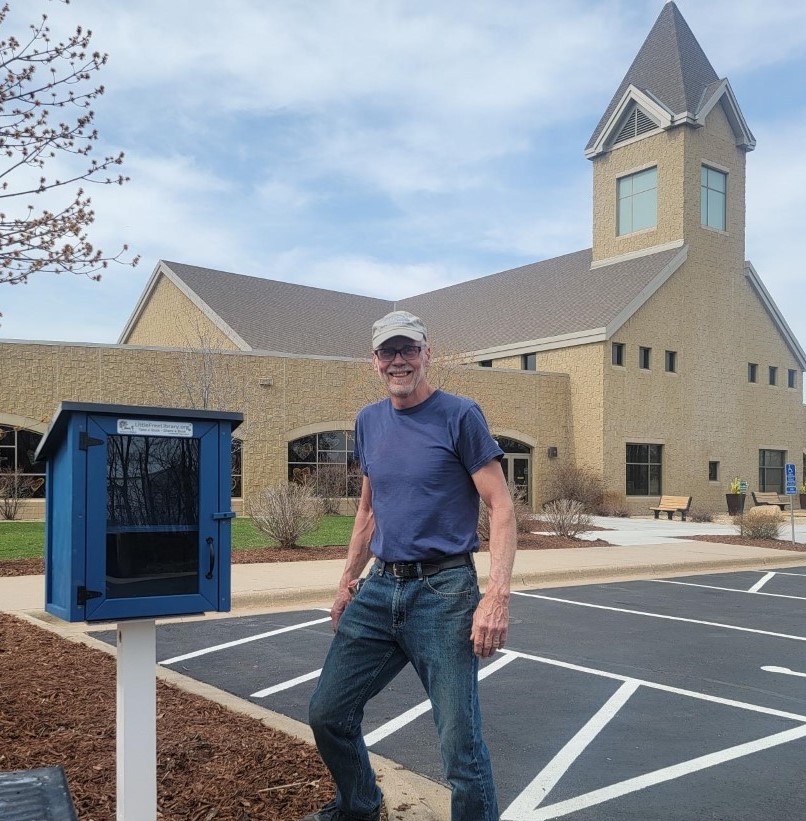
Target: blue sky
{"points": [[390, 148]]}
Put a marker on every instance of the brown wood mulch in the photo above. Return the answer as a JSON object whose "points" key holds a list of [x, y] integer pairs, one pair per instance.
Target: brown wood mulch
{"points": [[58, 707], [774, 544], [528, 541]]}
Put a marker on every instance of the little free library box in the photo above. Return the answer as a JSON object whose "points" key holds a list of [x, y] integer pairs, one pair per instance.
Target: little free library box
{"points": [[138, 511]]}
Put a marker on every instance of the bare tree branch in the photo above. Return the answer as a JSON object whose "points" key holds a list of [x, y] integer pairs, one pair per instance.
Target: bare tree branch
{"points": [[46, 95]]}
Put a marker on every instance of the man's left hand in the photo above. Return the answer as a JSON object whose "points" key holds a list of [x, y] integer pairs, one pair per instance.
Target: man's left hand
{"points": [[490, 624]]}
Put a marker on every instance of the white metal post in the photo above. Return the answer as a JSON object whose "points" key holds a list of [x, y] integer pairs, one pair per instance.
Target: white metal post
{"points": [[137, 721]]}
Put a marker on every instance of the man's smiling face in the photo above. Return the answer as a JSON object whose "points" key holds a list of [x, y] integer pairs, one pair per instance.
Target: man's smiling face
{"points": [[403, 378]]}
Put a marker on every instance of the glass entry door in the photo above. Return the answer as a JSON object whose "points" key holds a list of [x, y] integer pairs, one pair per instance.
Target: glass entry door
{"points": [[516, 471]]}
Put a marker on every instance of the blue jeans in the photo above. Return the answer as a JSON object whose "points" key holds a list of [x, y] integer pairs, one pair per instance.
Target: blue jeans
{"points": [[391, 622]]}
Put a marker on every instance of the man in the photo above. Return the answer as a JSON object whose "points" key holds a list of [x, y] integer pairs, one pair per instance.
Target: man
{"points": [[427, 456]]}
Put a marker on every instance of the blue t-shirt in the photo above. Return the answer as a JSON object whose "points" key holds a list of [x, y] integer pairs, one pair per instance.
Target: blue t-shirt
{"points": [[419, 462]]}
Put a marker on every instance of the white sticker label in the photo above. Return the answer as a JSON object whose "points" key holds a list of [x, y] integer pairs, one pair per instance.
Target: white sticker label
{"points": [[154, 427]]}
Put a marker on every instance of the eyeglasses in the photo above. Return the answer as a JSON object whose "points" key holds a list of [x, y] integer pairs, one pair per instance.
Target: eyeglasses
{"points": [[408, 352]]}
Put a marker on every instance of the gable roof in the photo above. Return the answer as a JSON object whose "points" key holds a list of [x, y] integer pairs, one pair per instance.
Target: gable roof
{"points": [[269, 315], [672, 76], [775, 315], [545, 304]]}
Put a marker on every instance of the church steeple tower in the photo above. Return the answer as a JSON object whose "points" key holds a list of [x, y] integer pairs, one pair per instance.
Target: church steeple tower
{"points": [[670, 117]]}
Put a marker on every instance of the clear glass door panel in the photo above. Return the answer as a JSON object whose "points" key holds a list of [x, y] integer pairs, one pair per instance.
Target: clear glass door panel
{"points": [[152, 521], [520, 475]]}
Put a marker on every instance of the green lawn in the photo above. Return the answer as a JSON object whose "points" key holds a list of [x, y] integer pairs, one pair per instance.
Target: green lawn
{"points": [[26, 540]]}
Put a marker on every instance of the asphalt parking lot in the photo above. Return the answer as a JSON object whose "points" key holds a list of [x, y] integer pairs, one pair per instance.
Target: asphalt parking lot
{"points": [[678, 698]]}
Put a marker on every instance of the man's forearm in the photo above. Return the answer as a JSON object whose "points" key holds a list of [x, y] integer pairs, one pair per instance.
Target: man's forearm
{"points": [[503, 543], [358, 552]]}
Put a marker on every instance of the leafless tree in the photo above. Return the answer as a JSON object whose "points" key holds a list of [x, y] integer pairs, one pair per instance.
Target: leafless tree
{"points": [[14, 487], [46, 94]]}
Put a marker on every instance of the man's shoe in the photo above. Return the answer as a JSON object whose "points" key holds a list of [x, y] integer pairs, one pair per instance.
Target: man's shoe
{"points": [[330, 812]]}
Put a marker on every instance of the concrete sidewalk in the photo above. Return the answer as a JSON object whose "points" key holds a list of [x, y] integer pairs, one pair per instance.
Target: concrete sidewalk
{"points": [[283, 585]]}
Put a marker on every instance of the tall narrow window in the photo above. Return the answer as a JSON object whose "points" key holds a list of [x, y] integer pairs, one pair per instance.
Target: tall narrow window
{"points": [[638, 201], [671, 361], [771, 470], [752, 372], [712, 197], [529, 362], [644, 466], [236, 481], [643, 358], [617, 353], [773, 375], [791, 378], [713, 471]]}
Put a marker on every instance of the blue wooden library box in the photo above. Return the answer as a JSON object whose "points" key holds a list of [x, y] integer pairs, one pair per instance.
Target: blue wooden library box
{"points": [[137, 511]]}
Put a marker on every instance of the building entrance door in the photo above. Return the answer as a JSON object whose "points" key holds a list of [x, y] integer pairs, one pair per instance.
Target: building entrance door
{"points": [[516, 464]]}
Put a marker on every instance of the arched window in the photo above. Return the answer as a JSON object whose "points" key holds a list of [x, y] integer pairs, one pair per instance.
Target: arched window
{"points": [[326, 461], [17, 448], [237, 468]]}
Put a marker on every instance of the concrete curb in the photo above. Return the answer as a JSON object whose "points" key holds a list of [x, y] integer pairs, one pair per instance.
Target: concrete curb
{"points": [[323, 594]]}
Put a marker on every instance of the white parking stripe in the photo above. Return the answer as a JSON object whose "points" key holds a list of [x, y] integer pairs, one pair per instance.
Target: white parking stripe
{"points": [[728, 702], [424, 706], [631, 785], [287, 685], [725, 589], [661, 616], [547, 779], [217, 647], [760, 583], [784, 671]]}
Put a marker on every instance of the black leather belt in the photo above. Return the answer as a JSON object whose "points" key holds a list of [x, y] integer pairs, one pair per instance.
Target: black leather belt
{"points": [[417, 570]]}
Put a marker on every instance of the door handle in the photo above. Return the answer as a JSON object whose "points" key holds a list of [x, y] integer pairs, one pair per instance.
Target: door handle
{"points": [[211, 547]]}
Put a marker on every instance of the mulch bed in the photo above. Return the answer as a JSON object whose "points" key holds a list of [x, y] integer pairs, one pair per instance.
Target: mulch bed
{"points": [[775, 544], [529, 541], [58, 707]]}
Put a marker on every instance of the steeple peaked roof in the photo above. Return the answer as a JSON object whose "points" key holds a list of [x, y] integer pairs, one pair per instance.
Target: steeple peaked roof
{"points": [[670, 67]]}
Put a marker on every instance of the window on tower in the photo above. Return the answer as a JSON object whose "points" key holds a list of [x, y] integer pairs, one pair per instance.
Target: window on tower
{"points": [[638, 201]]}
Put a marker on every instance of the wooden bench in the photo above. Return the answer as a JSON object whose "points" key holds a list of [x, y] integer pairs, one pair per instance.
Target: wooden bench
{"points": [[673, 504], [768, 499]]}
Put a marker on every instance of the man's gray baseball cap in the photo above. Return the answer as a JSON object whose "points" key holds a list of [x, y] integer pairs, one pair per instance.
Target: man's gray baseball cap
{"points": [[398, 323]]}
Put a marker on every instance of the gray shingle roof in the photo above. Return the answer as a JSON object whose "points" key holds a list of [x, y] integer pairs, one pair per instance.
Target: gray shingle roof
{"points": [[284, 317], [670, 65], [544, 299], [537, 301]]}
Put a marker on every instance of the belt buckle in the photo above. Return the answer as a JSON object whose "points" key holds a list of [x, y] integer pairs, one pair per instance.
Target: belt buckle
{"points": [[404, 570]]}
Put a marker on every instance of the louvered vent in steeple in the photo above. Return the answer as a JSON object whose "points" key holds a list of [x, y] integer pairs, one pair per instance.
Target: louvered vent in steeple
{"points": [[636, 124]]}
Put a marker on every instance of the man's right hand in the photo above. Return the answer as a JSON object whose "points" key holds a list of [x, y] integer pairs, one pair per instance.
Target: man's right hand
{"points": [[339, 606]]}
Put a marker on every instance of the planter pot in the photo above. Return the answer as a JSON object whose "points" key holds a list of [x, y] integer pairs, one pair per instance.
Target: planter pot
{"points": [[735, 503]]}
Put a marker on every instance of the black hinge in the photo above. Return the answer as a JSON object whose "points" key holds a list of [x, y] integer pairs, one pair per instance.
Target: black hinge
{"points": [[83, 595], [86, 441]]}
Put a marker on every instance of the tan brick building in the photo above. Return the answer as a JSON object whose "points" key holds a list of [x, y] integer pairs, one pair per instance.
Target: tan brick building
{"points": [[656, 358]]}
